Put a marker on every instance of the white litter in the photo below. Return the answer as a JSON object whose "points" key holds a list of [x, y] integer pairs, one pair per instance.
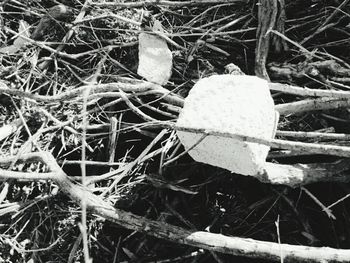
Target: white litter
{"points": [[234, 104], [155, 59]]}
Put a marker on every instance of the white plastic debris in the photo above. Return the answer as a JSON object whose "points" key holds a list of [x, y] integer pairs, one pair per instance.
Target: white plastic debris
{"points": [[155, 59], [235, 104]]}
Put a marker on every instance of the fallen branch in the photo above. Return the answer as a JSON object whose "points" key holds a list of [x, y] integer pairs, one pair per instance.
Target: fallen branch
{"points": [[214, 242], [314, 148], [329, 99], [324, 103], [314, 135], [297, 175], [295, 90], [75, 93]]}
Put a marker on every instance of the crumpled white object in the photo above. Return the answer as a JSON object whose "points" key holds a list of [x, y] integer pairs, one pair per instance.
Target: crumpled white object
{"points": [[235, 104], [155, 59]]}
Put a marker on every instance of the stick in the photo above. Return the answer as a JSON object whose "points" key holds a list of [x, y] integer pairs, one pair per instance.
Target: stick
{"points": [[213, 242], [324, 103]]}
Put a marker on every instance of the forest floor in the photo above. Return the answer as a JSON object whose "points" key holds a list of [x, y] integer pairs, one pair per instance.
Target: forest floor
{"points": [[76, 130]]}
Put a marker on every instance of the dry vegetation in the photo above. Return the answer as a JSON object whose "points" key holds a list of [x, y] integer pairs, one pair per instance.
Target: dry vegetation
{"points": [[90, 140]]}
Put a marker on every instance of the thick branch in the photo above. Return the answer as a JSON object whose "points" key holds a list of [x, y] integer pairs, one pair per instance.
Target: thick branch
{"points": [[315, 148], [210, 241], [301, 174], [229, 245], [267, 14]]}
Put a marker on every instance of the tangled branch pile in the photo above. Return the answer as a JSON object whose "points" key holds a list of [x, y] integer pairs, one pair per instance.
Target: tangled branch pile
{"points": [[81, 130]]}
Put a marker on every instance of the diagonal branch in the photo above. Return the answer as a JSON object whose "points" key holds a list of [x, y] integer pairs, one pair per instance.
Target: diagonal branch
{"points": [[214, 242]]}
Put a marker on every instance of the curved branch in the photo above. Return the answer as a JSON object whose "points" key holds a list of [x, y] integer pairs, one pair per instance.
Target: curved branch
{"points": [[215, 242]]}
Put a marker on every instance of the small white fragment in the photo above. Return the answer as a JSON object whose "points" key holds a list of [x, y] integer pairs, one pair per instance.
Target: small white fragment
{"points": [[155, 59], [7, 130], [19, 42], [236, 104]]}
